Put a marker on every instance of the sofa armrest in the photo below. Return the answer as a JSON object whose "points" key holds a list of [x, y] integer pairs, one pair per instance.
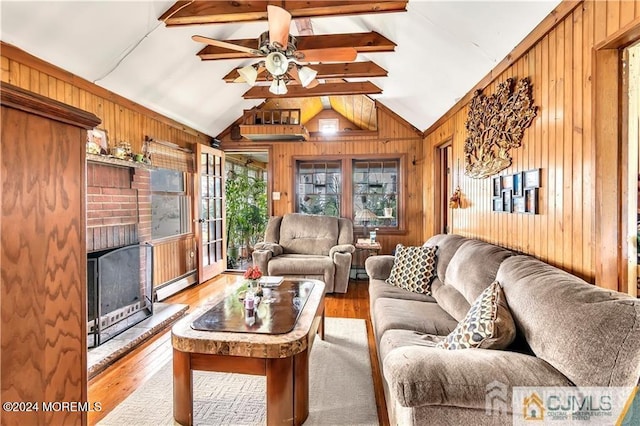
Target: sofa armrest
{"points": [[419, 375], [341, 248], [275, 249], [379, 267]]}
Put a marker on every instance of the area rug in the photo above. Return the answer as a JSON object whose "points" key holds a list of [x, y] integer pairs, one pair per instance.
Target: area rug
{"points": [[340, 381]]}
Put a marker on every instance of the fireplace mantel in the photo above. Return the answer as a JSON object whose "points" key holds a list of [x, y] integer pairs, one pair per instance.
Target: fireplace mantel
{"points": [[112, 161]]}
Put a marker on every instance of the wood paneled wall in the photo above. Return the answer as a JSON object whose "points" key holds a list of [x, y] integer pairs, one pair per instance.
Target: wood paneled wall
{"points": [[560, 141], [181, 251], [123, 120], [395, 136], [43, 257]]}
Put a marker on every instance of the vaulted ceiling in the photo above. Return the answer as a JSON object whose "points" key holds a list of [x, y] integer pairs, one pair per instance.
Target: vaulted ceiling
{"points": [[417, 62]]}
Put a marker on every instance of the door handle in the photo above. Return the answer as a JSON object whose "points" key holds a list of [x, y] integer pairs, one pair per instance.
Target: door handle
{"points": [[201, 221]]}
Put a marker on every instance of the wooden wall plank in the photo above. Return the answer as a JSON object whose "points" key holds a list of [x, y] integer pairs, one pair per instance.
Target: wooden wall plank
{"points": [[560, 141]]}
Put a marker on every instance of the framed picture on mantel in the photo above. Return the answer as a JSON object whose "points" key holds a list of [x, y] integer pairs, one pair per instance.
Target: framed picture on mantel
{"points": [[99, 137]]}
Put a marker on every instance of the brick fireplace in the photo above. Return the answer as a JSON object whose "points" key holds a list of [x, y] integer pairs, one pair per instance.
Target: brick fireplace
{"points": [[119, 269]]}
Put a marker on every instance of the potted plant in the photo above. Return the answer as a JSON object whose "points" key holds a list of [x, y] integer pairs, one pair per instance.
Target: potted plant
{"points": [[246, 208]]}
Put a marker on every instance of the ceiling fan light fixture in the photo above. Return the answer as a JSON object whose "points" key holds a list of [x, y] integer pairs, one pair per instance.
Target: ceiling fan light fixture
{"points": [[249, 74], [307, 75], [278, 87], [276, 63]]}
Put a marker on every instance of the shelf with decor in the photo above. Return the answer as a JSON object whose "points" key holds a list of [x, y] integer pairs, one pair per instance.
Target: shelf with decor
{"points": [[114, 161]]}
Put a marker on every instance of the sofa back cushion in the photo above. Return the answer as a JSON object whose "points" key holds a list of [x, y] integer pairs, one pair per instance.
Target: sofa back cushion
{"points": [[589, 334], [308, 234], [345, 231], [447, 245], [473, 267], [272, 233]]}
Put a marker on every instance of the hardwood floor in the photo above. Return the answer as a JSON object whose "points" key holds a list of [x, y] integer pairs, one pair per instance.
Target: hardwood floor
{"points": [[114, 384]]}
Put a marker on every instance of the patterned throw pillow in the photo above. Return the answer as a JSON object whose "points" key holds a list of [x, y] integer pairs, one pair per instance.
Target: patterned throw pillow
{"points": [[413, 268], [488, 323]]}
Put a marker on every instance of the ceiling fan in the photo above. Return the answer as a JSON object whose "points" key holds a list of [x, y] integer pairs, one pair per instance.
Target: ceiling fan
{"points": [[281, 58]]}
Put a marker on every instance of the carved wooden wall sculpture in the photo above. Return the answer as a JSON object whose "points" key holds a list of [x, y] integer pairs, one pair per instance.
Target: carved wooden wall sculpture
{"points": [[496, 124]]}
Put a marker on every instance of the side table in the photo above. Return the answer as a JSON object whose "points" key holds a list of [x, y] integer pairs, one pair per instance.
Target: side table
{"points": [[372, 249]]}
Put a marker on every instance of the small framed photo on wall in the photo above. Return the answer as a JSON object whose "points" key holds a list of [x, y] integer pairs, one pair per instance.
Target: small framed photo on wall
{"points": [[496, 186], [531, 200], [532, 179], [519, 205], [518, 179], [497, 204], [507, 201]]}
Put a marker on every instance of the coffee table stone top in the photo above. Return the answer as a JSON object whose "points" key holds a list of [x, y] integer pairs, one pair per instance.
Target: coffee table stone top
{"points": [[186, 339]]}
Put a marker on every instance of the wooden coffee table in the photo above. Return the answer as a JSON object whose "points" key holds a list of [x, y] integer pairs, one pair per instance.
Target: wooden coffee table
{"points": [[282, 358]]}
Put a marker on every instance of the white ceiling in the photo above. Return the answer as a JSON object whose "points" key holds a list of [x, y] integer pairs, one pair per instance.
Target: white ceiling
{"points": [[444, 49]]}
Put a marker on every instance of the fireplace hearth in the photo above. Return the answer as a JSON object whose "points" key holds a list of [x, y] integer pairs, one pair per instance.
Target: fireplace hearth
{"points": [[119, 292]]}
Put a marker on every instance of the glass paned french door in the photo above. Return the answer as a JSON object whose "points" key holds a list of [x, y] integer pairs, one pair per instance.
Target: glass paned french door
{"points": [[210, 212]]}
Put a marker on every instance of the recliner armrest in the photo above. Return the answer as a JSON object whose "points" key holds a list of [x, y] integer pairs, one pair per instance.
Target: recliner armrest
{"points": [[275, 249], [341, 248]]}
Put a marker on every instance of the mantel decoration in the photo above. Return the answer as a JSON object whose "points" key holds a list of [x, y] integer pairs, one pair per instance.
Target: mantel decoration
{"points": [[496, 124]]}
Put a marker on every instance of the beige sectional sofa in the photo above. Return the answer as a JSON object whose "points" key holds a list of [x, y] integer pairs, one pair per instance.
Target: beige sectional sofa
{"points": [[569, 333], [308, 246]]}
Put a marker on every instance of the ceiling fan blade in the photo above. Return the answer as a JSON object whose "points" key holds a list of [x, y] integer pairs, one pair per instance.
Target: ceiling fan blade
{"points": [[293, 72], [330, 54], [313, 83], [225, 45], [279, 24]]}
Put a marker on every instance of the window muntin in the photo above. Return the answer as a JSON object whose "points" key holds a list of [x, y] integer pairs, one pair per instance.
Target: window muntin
{"points": [[375, 188], [319, 188]]}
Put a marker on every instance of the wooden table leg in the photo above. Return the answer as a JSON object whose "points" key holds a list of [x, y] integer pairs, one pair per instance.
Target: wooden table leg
{"points": [[301, 387], [321, 326], [280, 385], [182, 388]]}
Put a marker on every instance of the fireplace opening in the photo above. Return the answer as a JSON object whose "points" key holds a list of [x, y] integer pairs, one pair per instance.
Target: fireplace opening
{"points": [[119, 293]]}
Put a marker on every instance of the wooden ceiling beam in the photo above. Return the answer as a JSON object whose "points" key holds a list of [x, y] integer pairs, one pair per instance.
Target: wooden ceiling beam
{"points": [[327, 89], [209, 12], [366, 69], [362, 42]]}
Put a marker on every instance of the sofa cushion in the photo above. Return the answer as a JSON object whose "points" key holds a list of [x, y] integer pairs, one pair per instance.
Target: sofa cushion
{"points": [[450, 299], [447, 245], [292, 264], [590, 334], [379, 288], [472, 268], [308, 234], [425, 317], [488, 324], [420, 375], [272, 233], [413, 268], [393, 339]]}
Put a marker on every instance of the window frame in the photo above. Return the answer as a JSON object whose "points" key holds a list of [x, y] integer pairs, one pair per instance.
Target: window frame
{"points": [[347, 186], [187, 193]]}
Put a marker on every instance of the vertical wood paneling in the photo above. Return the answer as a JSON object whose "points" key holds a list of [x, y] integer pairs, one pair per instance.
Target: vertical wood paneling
{"points": [[43, 258], [172, 259], [117, 117], [560, 141]]}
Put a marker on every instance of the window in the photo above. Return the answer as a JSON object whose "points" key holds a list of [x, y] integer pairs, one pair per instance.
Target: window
{"points": [[328, 125], [375, 188], [319, 188], [170, 204]]}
